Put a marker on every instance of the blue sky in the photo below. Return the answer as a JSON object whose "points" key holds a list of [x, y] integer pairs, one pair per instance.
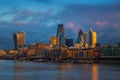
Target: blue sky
{"points": [[39, 19]]}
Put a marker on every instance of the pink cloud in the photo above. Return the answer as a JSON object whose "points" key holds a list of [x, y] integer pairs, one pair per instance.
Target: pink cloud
{"points": [[116, 26], [18, 23], [101, 23], [117, 15], [75, 28]]}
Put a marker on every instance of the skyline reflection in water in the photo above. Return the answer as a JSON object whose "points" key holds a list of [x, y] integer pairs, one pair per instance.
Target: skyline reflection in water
{"points": [[14, 70], [95, 74]]}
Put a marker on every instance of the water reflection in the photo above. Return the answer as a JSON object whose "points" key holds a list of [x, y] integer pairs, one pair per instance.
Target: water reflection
{"points": [[20, 69], [15, 70], [95, 72], [63, 68]]}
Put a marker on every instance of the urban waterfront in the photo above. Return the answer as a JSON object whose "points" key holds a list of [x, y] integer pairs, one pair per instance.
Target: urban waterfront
{"points": [[15, 70]]}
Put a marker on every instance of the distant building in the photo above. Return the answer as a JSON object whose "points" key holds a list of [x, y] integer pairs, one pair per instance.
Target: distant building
{"points": [[3, 53], [111, 50], [61, 35], [118, 44], [82, 39], [85, 37], [92, 38], [19, 40], [12, 52], [69, 42], [54, 41]]}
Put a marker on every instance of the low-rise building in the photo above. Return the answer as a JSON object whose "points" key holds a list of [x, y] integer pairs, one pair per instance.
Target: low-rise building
{"points": [[111, 50]]}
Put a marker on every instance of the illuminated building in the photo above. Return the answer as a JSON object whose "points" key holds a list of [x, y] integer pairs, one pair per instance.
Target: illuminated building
{"points": [[82, 39], [61, 35], [85, 37], [54, 41], [92, 38], [19, 40], [3, 53], [69, 42], [12, 52]]}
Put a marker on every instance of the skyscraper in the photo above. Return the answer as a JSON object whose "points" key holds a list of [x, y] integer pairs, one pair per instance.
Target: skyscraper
{"points": [[61, 35], [82, 39], [85, 37], [92, 38], [19, 40]]}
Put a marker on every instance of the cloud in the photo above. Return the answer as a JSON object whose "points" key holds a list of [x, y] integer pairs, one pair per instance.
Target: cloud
{"points": [[74, 27], [25, 17], [101, 23]]}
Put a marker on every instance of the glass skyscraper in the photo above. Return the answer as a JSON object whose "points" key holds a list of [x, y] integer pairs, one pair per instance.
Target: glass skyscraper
{"points": [[82, 39], [61, 35]]}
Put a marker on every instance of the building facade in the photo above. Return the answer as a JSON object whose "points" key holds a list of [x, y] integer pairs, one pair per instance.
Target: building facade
{"points": [[82, 39], [61, 35], [85, 37], [54, 41], [69, 42], [92, 38], [19, 40]]}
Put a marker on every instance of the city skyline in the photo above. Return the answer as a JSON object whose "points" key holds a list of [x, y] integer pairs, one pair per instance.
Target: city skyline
{"points": [[38, 18]]}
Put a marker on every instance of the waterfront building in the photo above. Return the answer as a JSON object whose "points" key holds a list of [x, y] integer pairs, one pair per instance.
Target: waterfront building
{"points": [[3, 53], [54, 41], [69, 42], [111, 50], [61, 35], [92, 38], [19, 40], [118, 44], [12, 52]]}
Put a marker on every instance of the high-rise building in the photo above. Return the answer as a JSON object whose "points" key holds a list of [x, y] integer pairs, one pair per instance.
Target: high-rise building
{"points": [[85, 37], [92, 38], [82, 39], [61, 35], [69, 42], [19, 40], [54, 41]]}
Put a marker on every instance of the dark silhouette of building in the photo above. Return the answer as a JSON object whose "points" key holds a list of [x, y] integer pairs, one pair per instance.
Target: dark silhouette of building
{"points": [[61, 35], [69, 42], [80, 37], [19, 40]]}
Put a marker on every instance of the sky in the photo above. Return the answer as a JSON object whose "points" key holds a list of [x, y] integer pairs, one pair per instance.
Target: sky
{"points": [[39, 19]]}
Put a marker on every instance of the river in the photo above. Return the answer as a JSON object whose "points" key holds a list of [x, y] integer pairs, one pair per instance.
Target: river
{"points": [[14, 70]]}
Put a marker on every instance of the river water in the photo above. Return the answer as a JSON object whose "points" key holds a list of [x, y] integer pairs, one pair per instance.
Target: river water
{"points": [[14, 70]]}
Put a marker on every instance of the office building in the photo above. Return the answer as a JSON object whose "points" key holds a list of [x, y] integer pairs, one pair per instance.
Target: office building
{"points": [[92, 38], [54, 41], [19, 40], [82, 39], [69, 42], [85, 37], [61, 35]]}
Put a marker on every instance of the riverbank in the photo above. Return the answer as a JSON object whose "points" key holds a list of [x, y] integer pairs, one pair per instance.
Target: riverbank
{"points": [[102, 59]]}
